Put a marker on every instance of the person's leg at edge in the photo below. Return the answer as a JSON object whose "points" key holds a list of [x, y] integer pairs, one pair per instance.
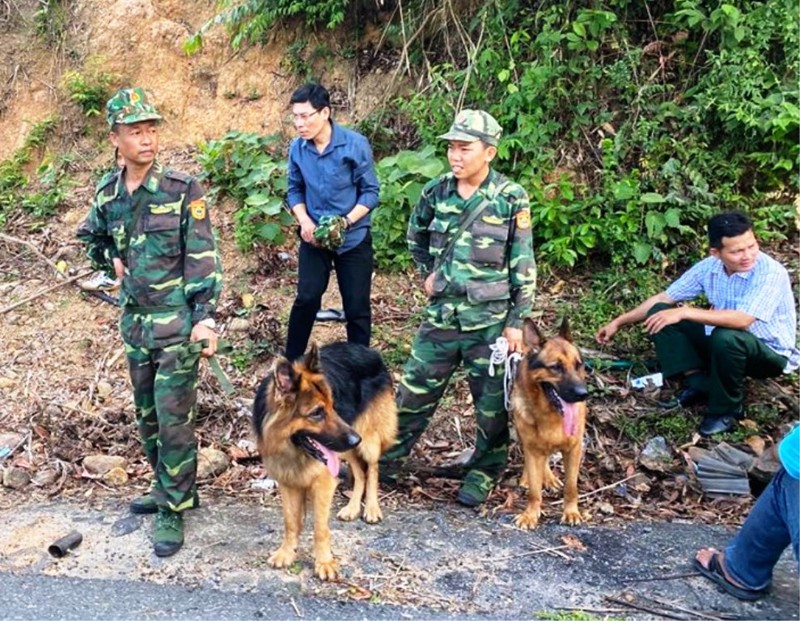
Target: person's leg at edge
{"points": [[434, 357], [491, 443], [354, 275], [773, 523], [313, 273]]}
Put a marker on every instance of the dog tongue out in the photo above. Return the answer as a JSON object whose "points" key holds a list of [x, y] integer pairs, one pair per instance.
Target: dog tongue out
{"points": [[331, 459], [570, 421]]}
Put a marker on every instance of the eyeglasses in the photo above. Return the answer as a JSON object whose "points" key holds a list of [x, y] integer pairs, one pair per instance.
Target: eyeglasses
{"points": [[297, 118]]}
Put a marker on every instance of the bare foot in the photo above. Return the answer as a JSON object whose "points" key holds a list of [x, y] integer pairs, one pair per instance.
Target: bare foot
{"points": [[704, 556]]}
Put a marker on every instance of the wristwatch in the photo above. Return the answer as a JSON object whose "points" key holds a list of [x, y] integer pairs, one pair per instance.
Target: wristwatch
{"points": [[349, 221]]}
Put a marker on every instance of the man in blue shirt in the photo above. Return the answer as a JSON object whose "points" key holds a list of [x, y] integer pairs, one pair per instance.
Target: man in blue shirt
{"points": [[750, 329], [331, 174]]}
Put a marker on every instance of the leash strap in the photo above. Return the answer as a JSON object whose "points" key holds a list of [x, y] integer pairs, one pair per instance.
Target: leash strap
{"points": [[509, 362], [192, 351]]}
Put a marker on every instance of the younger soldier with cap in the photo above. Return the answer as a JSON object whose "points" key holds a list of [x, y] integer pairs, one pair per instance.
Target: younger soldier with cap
{"points": [[150, 226], [470, 237]]}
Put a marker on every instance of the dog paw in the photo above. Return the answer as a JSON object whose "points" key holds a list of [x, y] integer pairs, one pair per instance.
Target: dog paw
{"points": [[326, 570], [527, 520], [571, 517], [282, 558], [372, 515], [348, 513]]}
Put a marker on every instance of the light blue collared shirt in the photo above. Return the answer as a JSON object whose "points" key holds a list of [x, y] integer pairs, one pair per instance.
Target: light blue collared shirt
{"points": [[331, 183], [765, 292]]}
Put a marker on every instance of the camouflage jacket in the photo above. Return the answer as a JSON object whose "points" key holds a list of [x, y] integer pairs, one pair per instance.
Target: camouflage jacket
{"points": [[164, 237], [490, 275]]}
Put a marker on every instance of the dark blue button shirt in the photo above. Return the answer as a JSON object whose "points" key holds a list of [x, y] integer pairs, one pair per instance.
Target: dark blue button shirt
{"points": [[331, 183]]}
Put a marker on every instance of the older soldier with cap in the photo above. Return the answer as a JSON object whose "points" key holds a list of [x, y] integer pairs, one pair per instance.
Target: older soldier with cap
{"points": [[470, 237], [149, 225]]}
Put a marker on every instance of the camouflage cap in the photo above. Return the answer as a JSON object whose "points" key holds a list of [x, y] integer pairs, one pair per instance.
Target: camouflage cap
{"points": [[472, 125], [130, 105]]}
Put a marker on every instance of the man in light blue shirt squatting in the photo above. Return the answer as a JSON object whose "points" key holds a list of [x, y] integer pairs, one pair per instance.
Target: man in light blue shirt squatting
{"points": [[332, 190], [750, 329]]}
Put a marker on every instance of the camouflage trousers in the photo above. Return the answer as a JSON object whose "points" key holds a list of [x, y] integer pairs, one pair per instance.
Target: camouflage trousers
{"points": [[435, 355], [164, 395]]}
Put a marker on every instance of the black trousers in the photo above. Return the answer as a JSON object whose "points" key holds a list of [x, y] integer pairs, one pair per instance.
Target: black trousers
{"points": [[354, 275]]}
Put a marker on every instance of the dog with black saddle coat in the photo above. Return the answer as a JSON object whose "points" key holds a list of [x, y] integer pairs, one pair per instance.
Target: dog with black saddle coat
{"points": [[336, 402]]}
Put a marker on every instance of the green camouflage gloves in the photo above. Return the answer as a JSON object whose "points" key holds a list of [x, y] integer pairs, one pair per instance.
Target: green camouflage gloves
{"points": [[330, 232]]}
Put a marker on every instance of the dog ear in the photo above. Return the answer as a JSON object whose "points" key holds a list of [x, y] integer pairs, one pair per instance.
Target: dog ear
{"points": [[312, 359], [564, 331], [531, 336], [285, 377]]}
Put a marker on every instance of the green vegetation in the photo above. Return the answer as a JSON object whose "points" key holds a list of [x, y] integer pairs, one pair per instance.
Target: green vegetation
{"points": [[246, 167], [50, 22], [677, 426], [402, 178], [628, 123], [243, 356], [577, 615], [611, 292], [248, 22], [625, 121], [90, 90], [38, 195]]}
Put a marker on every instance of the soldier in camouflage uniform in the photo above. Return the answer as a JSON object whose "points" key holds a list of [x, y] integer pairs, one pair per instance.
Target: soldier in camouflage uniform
{"points": [[480, 288], [150, 226]]}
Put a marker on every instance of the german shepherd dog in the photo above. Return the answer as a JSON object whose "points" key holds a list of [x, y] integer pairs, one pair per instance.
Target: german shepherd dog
{"points": [[548, 406], [337, 399]]}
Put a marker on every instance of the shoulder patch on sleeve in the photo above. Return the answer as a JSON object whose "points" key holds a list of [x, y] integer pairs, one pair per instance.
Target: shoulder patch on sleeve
{"points": [[523, 219], [198, 208]]}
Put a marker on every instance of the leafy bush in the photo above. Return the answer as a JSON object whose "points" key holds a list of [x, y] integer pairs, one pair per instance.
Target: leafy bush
{"points": [[50, 21], [629, 125], [41, 194], [246, 167], [90, 89], [248, 22], [402, 178]]}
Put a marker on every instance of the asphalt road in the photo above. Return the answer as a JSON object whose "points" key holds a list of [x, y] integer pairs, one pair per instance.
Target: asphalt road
{"points": [[444, 562]]}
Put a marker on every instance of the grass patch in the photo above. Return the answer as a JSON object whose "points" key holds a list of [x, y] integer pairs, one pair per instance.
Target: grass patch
{"points": [[677, 426]]}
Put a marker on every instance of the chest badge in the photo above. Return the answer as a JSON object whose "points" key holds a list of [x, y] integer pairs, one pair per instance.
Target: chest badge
{"points": [[198, 208]]}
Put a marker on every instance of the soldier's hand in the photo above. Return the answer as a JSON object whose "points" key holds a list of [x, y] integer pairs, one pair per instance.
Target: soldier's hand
{"points": [[428, 284], [200, 332], [514, 338], [119, 268]]}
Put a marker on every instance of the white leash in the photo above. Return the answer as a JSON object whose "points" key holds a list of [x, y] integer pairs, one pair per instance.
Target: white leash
{"points": [[509, 362]]}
